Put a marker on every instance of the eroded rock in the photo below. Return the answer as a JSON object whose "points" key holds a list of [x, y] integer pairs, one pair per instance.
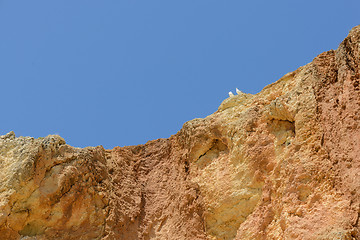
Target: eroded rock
{"points": [[280, 164]]}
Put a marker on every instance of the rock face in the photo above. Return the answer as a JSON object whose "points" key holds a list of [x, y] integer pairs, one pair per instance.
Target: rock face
{"points": [[281, 164]]}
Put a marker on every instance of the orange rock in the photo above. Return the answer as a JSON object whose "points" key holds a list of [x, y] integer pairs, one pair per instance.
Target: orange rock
{"points": [[280, 164]]}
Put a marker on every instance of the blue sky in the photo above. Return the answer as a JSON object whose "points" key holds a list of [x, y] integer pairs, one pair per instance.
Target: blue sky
{"points": [[120, 72]]}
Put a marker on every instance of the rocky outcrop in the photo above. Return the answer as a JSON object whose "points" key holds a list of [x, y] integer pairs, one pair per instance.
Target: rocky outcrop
{"points": [[280, 164]]}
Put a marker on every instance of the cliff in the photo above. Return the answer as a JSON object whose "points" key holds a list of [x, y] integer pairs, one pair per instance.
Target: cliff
{"points": [[280, 164]]}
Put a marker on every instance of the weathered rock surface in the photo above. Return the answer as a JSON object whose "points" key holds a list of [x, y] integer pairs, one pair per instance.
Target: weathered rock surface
{"points": [[281, 164]]}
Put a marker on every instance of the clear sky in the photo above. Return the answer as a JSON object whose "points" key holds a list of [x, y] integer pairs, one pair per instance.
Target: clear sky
{"points": [[122, 72]]}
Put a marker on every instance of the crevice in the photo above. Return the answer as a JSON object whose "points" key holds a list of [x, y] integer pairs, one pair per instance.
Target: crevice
{"points": [[217, 149], [187, 166], [142, 209], [322, 139], [214, 143]]}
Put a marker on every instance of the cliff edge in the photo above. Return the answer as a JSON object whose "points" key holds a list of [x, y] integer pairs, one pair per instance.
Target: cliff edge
{"points": [[280, 164]]}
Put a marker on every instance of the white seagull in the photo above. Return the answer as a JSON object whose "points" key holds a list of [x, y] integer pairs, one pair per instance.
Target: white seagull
{"points": [[238, 91], [231, 94]]}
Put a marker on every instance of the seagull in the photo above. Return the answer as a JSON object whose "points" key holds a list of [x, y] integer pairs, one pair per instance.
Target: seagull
{"points": [[231, 94], [238, 91]]}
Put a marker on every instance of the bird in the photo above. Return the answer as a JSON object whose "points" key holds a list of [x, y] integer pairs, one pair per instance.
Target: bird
{"points": [[238, 91], [231, 94]]}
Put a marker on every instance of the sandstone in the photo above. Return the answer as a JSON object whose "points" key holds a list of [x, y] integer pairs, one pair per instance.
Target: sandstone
{"points": [[280, 164]]}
